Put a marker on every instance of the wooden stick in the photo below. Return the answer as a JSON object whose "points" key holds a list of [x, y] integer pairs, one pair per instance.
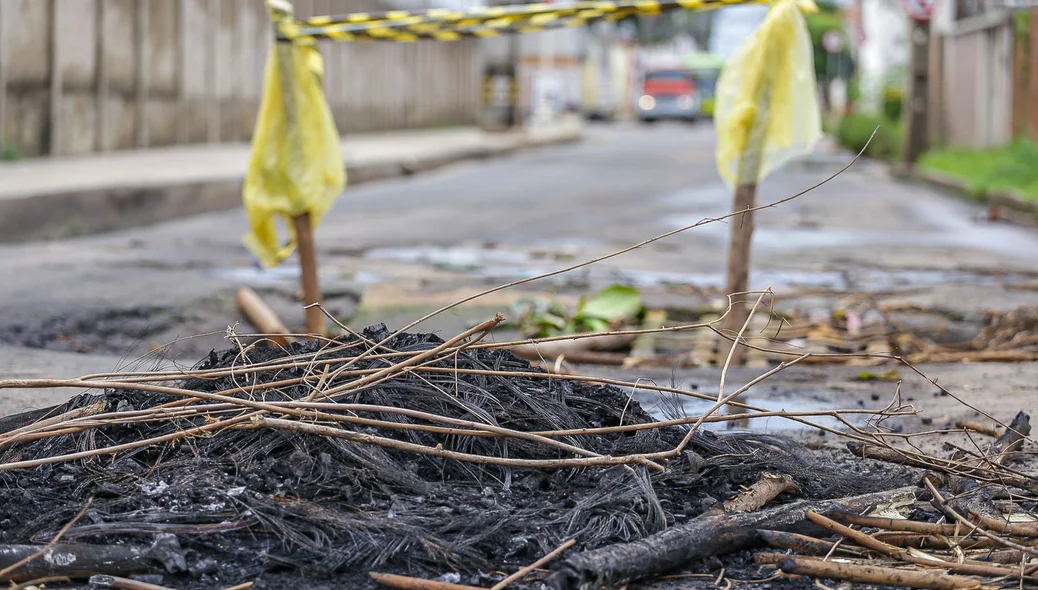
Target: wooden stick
{"points": [[23, 556], [942, 465], [764, 490], [738, 278], [857, 536], [988, 429], [105, 581], [919, 540], [308, 266], [905, 554], [980, 356], [261, 315], [300, 427], [896, 524], [701, 537], [1020, 529], [801, 543], [871, 574], [539, 563], [408, 583]]}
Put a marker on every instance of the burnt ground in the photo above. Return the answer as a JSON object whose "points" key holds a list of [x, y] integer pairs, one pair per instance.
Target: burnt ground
{"points": [[286, 509], [182, 331]]}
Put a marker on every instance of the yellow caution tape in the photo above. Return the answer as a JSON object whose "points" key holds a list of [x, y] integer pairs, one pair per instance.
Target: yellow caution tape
{"points": [[766, 99], [296, 165], [447, 25]]}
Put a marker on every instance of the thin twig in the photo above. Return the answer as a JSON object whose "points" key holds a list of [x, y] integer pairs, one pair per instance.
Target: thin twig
{"points": [[45, 548], [539, 563]]}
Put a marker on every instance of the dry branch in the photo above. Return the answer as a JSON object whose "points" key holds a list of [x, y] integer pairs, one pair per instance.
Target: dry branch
{"points": [[988, 429], [80, 561], [261, 315], [871, 574], [702, 537], [409, 583], [539, 563], [802, 544], [857, 536], [895, 524], [892, 455], [766, 489], [106, 581]]}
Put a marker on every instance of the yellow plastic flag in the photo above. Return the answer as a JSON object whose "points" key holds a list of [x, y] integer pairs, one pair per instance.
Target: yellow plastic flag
{"points": [[767, 102], [296, 165]]}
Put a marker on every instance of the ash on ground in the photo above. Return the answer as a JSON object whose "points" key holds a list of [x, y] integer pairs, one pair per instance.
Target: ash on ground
{"points": [[284, 509]]}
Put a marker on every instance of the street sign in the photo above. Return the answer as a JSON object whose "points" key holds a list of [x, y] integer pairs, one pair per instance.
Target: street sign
{"points": [[920, 10], [832, 41]]}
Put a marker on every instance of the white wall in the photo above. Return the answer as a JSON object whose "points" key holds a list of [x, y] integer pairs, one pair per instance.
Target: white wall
{"points": [[884, 50]]}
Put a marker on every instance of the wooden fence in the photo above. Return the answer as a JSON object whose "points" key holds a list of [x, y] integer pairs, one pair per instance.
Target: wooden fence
{"points": [[972, 69], [82, 76]]}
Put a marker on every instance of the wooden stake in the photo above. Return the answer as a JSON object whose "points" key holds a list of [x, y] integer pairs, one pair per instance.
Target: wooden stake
{"points": [[261, 316], [916, 133], [281, 12], [308, 266], [740, 239]]}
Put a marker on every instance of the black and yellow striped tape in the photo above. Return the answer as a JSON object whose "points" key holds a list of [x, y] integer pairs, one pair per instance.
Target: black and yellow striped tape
{"points": [[488, 21]]}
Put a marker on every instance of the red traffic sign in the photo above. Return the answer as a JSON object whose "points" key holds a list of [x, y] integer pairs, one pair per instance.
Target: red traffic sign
{"points": [[920, 10]]}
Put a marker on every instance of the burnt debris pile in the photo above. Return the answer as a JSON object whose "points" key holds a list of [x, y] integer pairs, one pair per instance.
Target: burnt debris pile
{"points": [[418, 456]]}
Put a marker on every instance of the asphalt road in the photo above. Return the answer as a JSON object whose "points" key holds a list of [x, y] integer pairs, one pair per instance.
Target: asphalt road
{"points": [[624, 184], [485, 222]]}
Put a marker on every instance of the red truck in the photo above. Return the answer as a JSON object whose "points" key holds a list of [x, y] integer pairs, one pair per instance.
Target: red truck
{"points": [[668, 94]]}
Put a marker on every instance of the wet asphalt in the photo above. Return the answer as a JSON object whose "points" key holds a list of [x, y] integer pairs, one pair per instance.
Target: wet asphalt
{"points": [[491, 221]]}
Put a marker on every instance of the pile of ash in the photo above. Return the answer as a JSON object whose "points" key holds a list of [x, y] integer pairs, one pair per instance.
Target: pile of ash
{"points": [[277, 507]]}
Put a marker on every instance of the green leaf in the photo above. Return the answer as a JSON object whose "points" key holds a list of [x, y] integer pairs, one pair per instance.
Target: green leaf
{"points": [[612, 304], [891, 375], [594, 324], [552, 320]]}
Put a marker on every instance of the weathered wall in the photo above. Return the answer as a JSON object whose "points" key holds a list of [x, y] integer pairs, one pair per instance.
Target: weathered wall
{"points": [[975, 74], [1025, 76], [142, 73]]}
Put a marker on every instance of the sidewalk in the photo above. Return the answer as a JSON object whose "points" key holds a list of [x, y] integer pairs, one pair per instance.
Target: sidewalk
{"points": [[60, 197]]}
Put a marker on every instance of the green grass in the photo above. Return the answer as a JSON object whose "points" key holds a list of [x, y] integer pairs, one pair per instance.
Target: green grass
{"points": [[854, 130], [1013, 168], [8, 153]]}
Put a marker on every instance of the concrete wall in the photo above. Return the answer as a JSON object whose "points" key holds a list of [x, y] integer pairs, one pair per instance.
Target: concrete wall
{"points": [[972, 82], [556, 54], [141, 73]]}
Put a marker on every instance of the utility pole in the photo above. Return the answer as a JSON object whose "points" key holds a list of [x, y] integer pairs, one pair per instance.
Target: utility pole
{"points": [[916, 133], [500, 81]]}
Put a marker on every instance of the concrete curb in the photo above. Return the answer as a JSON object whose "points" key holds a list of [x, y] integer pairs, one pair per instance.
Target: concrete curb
{"points": [[1005, 200], [63, 214]]}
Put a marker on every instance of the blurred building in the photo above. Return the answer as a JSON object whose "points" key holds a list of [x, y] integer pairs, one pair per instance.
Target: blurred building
{"points": [[881, 35], [983, 73], [81, 76], [609, 72], [732, 25]]}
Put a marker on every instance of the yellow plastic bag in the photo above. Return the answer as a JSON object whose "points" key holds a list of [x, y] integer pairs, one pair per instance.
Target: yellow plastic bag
{"points": [[296, 165], [767, 102]]}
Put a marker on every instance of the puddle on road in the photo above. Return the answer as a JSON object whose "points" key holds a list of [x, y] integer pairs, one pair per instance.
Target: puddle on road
{"points": [[506, 265], [943, 224], [285, 273], [255, 275], [672, 406], [457, 257]]}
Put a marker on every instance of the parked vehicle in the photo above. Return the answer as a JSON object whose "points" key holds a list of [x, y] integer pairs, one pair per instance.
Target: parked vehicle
{"points": [[668, 94], [706, 69]]}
